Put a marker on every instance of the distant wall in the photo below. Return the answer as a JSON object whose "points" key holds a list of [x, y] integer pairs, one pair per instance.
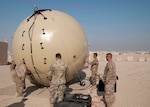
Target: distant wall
{"points": [[124, 56], [3, 53]]}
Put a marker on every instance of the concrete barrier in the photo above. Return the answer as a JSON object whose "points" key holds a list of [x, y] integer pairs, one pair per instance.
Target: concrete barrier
{"points": [[129, 58], [141, 59]]}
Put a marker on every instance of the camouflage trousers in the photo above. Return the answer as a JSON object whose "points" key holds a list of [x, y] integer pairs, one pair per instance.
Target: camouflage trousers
{"points": [[20, 84], [109, 93], [56, 92], [93, 77]]}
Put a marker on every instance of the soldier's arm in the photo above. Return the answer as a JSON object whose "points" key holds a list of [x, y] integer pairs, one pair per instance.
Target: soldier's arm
{"points": [[104, 76], [19, 74], [27, 71], [50, 73], [111, 73], [111, 68], [105, 72], [94, 62], [67, 72], [91, 63]]}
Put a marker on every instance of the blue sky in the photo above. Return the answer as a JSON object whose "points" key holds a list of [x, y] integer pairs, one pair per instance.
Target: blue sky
{"points": [[111, 25]]}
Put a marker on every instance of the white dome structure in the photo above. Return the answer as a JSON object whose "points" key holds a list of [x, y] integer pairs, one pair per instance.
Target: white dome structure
{"points": [[47, 32]]}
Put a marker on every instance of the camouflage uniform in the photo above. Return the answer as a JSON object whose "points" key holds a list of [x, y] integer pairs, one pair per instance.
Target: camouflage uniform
{"points": [[18, 76], [109, 80], [13, 72], [57, 79], [94, 68]]}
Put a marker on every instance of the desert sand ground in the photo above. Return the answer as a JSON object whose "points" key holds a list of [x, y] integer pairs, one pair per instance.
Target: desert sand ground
{"points": [[133, 87]]}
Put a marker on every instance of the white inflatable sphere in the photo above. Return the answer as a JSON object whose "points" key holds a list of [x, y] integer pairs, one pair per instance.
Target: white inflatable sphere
{"points": [[39, 37]]}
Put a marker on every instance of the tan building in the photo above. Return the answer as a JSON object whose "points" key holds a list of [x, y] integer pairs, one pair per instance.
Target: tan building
{"points": [[3, 53]]}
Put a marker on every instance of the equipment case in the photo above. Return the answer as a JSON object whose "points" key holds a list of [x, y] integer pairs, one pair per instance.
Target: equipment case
{"points": [[75, 100]]}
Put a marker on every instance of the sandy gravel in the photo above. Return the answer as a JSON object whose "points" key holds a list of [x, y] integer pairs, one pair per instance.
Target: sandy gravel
{"points": [[133, 87]]}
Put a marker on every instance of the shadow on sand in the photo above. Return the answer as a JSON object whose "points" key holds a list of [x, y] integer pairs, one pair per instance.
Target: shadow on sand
{"points": [[31, 89], [80, 76], [19, 104]]}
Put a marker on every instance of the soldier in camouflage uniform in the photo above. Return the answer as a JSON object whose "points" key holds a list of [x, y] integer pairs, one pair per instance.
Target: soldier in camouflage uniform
{"points": [[18, 76], [57, 80], [13, 72], [109, 81], [94, 68]]}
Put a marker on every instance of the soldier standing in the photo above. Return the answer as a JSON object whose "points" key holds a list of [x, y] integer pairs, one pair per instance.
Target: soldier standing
{"points": [[57, 80], [109, 80], [18, 76], [13, 72], [94, 68]]}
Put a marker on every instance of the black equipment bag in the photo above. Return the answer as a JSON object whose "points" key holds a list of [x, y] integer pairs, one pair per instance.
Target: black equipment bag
{"points": [[101, 86], [117, 78], [75, 100], [115, 87]]}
